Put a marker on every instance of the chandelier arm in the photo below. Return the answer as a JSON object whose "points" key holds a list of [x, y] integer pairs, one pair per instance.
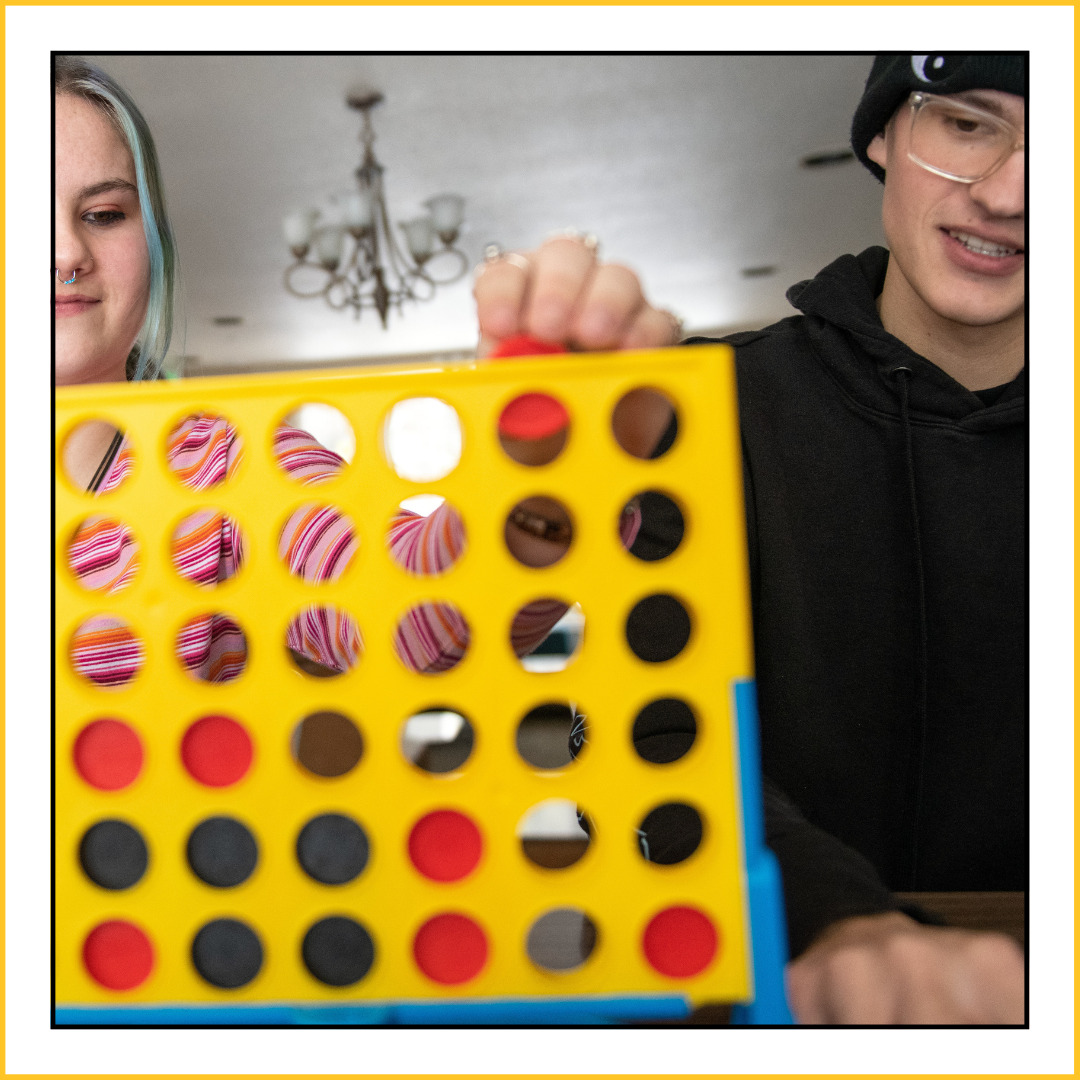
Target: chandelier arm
{"points": [[463, 266], [313, 266]]}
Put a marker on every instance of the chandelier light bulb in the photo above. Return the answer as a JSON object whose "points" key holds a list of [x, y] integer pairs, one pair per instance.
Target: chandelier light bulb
{"points": [[358, 210], [447, 213], [419, 237], [298, 227], [329, 245]]}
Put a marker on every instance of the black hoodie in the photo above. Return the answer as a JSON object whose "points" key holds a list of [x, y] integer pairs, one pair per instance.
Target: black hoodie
{"points": [[888, 563]]}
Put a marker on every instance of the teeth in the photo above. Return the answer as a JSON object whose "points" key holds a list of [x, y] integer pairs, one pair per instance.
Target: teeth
{"points": [[982, 247]]}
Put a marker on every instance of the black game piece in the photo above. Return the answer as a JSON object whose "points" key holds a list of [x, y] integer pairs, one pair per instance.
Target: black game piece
{"points": [[113, 854], [227, 953], [222, 852], [338, 951], [332, 848]]}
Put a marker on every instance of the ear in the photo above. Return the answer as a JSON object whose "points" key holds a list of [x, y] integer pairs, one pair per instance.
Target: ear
{"points": [[877, 151]]}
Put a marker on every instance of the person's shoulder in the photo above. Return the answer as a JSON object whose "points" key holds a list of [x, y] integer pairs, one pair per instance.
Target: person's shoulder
{"points": [[303, 457], [780, 335]]}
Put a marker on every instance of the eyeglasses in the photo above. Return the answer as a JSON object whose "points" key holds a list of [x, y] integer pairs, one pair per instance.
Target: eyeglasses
{"points": [[958, 141]]}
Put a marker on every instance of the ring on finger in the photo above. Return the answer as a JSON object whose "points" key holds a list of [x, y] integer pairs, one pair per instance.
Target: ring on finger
{"points": [[587, 240], [494, 254]]}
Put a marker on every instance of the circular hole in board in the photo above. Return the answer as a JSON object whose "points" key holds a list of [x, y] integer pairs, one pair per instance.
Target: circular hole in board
{"points": [[533, 429], [645, 423], [105, 651], [314, 443], [222, 852], [561, 939], [658, 628], [338, 951], [651, 526], [422, 439], [538, 531], [103, 554], [113, 854], [212, 648], [431, 638], [554, 834], [333, 849], [327, 744], [669, 834], [664, 730], [97, 457], [426, 537], [216, 751], [323, 640], [227, 953], [118, 955], [108, 754], [317, 543], [552, 735], [437, 740], [680, 942], [546, 634], [207, 548], [203, 450], [450, 948], [445, 845]]}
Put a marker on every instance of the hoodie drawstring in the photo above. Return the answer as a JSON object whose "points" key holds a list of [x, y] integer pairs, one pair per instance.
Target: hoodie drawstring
{"points": [[918, 736]]}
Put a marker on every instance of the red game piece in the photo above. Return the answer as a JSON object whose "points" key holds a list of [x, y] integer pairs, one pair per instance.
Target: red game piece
{"points": [[108, 754], [217, 751], [680, 942], [445, 845], [450, 948], [118, 955]]}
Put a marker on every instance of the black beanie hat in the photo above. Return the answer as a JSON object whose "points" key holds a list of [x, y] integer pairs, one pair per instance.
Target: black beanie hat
{"points": [[895, 75]]}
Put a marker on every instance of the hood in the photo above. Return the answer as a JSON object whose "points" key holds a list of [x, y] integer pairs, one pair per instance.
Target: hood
{"points": [[848, 338]]}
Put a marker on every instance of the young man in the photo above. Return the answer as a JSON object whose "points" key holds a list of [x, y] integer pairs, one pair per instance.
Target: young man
{"points": [[884, 446]]}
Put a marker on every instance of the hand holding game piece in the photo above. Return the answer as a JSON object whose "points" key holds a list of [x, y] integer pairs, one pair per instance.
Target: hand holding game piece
{"points": [[562, 293]]}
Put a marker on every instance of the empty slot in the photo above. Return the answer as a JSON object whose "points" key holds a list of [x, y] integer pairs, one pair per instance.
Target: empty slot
{"points": [[97, 457], [426, 536], [212, 648], [651, 527], [207, 548], [664, 730], [422, 439], [106, 651], [554, 834], [314, 443], [431, 638], [546, 634], [552, 735], [658, 628], [317, 543], [324, 641], [538, 531], [327, 744], [561, 940], [203, 451], [437, 740], [644, 423], [669, 834], [533, 429], [103, 554]]}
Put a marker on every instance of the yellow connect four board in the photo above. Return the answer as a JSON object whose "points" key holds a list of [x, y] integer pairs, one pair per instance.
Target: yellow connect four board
{"points": [[494, 906]]}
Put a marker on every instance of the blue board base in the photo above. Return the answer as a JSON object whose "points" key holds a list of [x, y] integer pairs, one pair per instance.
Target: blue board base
{"points": [[520, 1012]]}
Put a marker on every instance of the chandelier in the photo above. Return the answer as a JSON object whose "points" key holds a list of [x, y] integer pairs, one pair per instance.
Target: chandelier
{"points": [[358, 262]]}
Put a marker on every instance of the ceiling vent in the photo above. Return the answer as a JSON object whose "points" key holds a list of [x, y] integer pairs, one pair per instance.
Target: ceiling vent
{"points": [[824, 158]]}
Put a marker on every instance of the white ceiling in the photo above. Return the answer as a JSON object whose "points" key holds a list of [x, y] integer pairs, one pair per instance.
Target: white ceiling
{"points": [[686, 167]]}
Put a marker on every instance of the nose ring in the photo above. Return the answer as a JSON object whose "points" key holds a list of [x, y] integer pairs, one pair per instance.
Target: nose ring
{"points": [[71, 282]]}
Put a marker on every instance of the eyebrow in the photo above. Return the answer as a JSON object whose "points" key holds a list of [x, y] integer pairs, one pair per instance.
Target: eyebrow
{"points": [[989, 105], [115, 184]]}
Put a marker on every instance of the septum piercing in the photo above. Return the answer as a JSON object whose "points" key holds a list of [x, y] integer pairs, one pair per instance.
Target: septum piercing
{"points": [[71, 282]]}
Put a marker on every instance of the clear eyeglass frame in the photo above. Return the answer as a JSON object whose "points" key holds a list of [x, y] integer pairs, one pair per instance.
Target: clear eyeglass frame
{"points": [[918, 101]]}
